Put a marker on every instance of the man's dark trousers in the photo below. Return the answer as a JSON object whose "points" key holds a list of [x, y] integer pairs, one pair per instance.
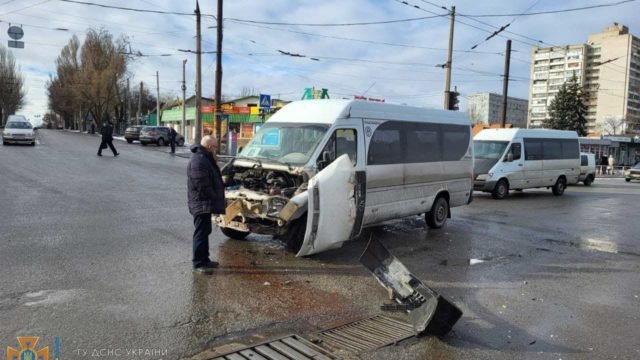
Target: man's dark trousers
{"points": [[110, 143], [202, 223], [173, 145]]}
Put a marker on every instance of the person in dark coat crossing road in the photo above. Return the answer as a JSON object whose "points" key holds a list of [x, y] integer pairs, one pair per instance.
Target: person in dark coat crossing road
{"points": [[172, 139], [205, 197], [107, 139]]}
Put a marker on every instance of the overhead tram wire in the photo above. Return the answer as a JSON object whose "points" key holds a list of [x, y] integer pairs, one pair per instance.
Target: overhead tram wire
{"points": [[335, 24], [147, 11], [25, 8], [367, 41], [555, 11]]}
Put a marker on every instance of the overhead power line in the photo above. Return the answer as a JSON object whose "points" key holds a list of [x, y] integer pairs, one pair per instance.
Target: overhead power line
{"points": [[334, 24], [366, 41], [134, 9], [554, 11], [25, 8]]}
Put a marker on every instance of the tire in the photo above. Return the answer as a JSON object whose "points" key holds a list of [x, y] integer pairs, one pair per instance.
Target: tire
{"points": [[130, 141], [294, 236], [143, 143], [234, 234], [588, 181], [33, 143], [559, 187], [437, 217], [161, 142], [501, 190], [180, 142], [627, 179]]}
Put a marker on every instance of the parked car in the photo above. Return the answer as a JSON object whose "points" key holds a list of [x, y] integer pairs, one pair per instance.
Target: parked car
{"points": [[633, 173], [19, 131], [133, 133], [158, 135], [587, 168]]}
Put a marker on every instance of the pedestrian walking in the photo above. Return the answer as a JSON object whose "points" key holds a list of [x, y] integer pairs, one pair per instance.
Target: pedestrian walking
{"points": [[205, 197], [107, 139], [172, 139]]}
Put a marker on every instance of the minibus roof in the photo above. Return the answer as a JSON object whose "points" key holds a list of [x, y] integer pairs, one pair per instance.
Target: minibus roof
{"points": [[327, 111], [509, 134]]}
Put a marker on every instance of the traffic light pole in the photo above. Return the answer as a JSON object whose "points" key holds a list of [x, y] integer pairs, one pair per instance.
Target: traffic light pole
{"points": [[447, 82]]}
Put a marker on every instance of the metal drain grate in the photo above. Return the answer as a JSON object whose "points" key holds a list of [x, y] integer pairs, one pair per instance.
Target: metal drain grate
{"points": [[367, 334], [287, 348]]}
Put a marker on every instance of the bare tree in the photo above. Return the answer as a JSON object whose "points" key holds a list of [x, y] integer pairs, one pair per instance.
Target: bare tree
{"points": [[62, 89], [613, 124], [103, 66], [12, 91]]}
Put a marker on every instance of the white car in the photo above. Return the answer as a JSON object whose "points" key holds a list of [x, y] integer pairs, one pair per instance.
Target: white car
{"points": [[16, 132]]}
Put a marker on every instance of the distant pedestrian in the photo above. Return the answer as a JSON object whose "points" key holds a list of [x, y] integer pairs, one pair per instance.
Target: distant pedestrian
{"points": [[205, 197], [107, 139], [172, 139]]}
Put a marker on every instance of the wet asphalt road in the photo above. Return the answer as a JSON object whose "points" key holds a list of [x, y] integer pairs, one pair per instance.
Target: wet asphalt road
{"points": [[97, 251]]}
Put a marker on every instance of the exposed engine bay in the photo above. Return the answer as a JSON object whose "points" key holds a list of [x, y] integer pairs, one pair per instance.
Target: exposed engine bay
{"points": [[256, 195]]}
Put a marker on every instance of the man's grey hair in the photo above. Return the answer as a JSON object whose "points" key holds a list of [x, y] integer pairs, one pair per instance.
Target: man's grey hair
{"points": [[208, 141]]}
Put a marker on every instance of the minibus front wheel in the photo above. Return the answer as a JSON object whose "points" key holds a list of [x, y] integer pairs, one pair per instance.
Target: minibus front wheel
{"points": [[501, 190]]}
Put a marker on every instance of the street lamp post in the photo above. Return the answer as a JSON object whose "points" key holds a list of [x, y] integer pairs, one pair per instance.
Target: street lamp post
{"points": [[184, 94]]}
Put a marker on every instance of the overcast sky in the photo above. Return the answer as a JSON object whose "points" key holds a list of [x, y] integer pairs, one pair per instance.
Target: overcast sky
{"points": [[394, 61]]}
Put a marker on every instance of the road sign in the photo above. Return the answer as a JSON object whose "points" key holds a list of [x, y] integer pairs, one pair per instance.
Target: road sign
{"points": [[16, 44], [265, 101], [15, 32]]}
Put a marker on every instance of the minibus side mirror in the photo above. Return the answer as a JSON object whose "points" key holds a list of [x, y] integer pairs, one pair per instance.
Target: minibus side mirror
{"points": [[326, 157], [509, 157]]}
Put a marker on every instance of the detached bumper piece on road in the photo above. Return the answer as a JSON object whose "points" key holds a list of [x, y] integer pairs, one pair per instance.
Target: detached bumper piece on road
{"points": [[430, 313]]}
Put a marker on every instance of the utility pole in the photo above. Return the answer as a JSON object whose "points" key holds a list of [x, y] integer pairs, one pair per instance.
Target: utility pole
{"points": [[505, 85], [139, 117], [447, 81], [218, 109], [198, 134], [184, 95], [128, 103], [157, 99]]}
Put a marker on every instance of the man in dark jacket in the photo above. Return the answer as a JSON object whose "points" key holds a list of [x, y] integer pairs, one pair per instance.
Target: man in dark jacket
{"points": [[206, 197], [172, 139], [107, 139]]}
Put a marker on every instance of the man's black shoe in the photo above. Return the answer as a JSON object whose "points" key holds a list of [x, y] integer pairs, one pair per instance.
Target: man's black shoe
{"points": [[212, 264], [116, 154], [99, 154]]}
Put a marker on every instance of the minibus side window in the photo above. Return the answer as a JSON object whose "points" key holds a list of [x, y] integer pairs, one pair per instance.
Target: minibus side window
{"points": [[342, 141], [515, 150]]}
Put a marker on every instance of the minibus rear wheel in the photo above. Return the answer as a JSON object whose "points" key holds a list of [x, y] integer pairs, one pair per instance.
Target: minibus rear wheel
{"points": [[437, 217], [558, 188]]}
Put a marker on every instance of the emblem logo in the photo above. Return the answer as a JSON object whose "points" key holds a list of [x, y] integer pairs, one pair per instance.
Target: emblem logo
{"points": [[28, 350]]}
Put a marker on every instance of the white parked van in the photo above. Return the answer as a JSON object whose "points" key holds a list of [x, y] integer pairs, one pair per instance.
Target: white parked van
{"points": [[587, 168], [525, 158], [320, 170]]}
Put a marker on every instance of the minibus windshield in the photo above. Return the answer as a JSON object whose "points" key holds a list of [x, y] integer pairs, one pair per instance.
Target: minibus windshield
{"points": [[285, 142], [483, 149]]}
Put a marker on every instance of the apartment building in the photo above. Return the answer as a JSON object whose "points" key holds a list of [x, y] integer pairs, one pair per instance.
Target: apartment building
{"points": [[608, 67], [486, 109]]}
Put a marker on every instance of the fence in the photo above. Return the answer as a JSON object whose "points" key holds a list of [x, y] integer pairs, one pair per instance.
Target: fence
{"points": [[611, 171]]}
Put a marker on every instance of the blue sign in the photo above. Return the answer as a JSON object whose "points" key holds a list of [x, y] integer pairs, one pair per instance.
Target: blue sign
{"points": [[271, 137], [265, 101]]}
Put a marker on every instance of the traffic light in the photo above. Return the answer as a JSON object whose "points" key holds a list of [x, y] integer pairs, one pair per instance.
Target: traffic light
{"points": [[453, 100]]}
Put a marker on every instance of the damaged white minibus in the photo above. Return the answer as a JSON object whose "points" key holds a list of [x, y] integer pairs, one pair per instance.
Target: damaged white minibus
{"points": [[318, 171]]}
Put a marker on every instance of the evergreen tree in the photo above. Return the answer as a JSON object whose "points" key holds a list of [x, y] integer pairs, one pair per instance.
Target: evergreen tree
{"points": [[567, 110]]}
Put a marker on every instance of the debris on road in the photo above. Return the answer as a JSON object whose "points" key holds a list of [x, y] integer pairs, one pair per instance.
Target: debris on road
{"points": [[433, 314]]}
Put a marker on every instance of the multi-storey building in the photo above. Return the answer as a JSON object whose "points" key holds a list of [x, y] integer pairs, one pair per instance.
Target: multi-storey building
{"points": [[486, 108], [608, 68]]}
